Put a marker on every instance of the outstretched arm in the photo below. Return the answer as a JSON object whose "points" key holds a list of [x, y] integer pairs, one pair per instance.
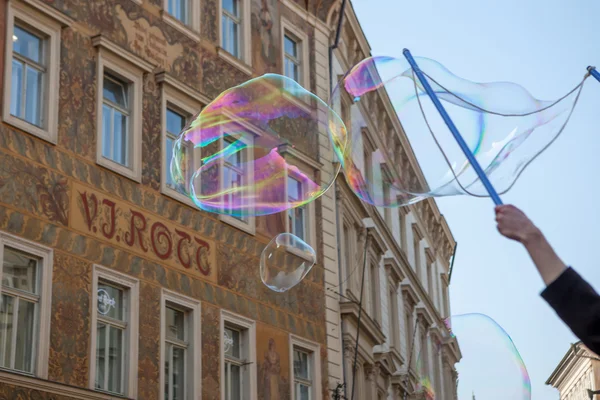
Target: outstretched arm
{"points": [[573, 299]]}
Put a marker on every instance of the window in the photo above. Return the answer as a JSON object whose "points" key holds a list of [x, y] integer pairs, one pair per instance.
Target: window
{"points": [[386, 181], [175, 122], [181, 345], [297, 215], [238, 357], [294, 45], [32, 71], [394, 339], [235, 34], [235, 176], [292, 58], [119, 109], [179, 104], [402, 228], [231, 21], [114, 340], [417, 251], [302, 374], [306, 371], [26, 275], [183, 15], [180, 9], [116, 136], [430, 283], [408, 323], [374, 290]]}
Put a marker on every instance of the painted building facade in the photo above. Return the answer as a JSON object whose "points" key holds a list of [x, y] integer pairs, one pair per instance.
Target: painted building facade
{"points": [[113, 284], [577, 374], [404, 347]]}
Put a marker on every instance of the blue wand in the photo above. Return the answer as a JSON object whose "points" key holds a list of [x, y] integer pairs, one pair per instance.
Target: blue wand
{"points": [[459, 139], [594, 73]]}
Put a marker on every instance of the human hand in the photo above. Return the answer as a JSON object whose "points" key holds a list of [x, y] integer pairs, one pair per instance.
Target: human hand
{"points": [[514, 224]]}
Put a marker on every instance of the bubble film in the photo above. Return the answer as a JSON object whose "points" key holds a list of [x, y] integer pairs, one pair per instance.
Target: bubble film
{"points": [[504, 126], [491, 368], [285, 261], [245, 153]]}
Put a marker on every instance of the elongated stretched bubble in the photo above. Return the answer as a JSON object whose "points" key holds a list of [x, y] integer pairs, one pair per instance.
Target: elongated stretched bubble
{"points": [[285, 262], [490, 366], [253, 150], [504, 126]]}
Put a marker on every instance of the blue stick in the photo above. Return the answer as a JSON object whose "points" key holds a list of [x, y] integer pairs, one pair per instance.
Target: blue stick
{"points": [[459, 139], [594, 72]]}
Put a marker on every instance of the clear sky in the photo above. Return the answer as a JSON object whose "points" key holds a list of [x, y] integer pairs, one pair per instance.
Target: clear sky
{"points": [[544, 46]]}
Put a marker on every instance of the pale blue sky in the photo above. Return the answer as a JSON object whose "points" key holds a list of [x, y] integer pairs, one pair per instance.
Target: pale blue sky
{"points": [[545, 46]]}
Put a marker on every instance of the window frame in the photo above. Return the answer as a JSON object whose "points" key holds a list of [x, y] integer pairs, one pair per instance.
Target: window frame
{"points": [[190, 28], [244, 61], [314, 350], [249, 326], [248, 224], [193, 364], [36, 18], [180, 97], [131, 341], [44, 309], [119, 64], [305, 164], [302, 41]]}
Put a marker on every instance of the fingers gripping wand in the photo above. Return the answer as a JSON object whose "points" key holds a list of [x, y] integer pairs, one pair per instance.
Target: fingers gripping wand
{"points": [[457, 136]]}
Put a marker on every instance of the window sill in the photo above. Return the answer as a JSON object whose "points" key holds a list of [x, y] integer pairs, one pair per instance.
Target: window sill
{"points": [[47, 135], [133, 174], [190, 32], [247, 227], [175, 195], [233, 60]]}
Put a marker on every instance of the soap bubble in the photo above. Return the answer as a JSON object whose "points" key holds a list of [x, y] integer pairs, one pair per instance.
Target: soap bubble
{"points": [[253, 150], [504, 126], [285, 262], [490, 366]]}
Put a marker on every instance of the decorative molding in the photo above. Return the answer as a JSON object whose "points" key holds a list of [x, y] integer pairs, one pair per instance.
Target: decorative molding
{"points": [[48, 10], [42, 385], [190, 32], [236, 62], [102, 42], [194, 95]]}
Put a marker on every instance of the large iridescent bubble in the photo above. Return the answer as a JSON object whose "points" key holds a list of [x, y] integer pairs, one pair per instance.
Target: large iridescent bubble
{"points": [[246, 153], [490, 366], [503, 125]]}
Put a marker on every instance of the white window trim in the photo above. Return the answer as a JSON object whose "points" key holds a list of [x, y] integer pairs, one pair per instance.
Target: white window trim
{"points": [[180, 96], [315, 350], [192, 30], [249, 224], [302, 42], [245, 62], [193, 383], [42, 323], [250, 326], [132, 336], [131, 69], [307, 165], [49, 22]]}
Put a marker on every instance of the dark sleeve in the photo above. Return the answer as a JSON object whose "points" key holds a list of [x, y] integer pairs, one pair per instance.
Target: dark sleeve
{"points": [[578, 305]]}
